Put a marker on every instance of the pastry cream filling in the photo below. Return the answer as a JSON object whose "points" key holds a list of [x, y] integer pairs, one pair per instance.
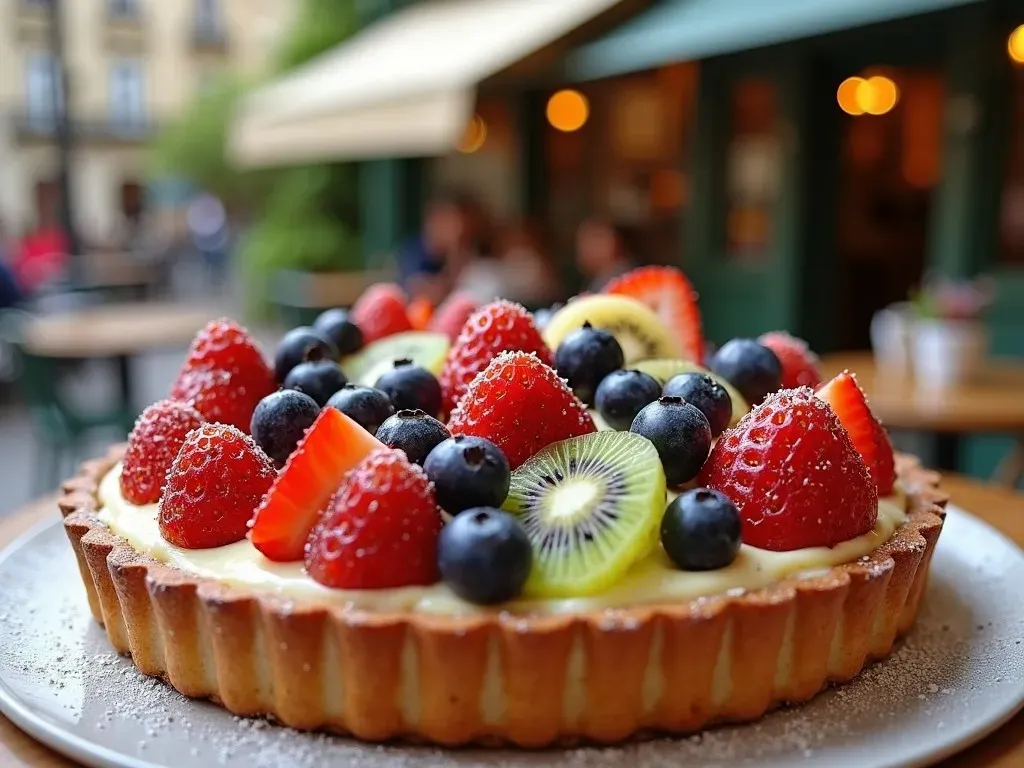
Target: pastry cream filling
{"points": [[653, 580]]}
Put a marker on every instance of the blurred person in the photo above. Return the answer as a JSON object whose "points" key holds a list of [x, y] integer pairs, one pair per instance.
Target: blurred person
{"points": [[429, 263], [41, 258], [602, 252], [210, 234], [10, 290]]}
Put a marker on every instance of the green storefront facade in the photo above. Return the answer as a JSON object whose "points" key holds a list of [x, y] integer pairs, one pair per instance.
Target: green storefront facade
{"points": [[801, 277]]}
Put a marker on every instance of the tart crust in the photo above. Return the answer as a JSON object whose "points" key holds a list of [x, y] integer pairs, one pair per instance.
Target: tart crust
{"points": [[496, 678]]}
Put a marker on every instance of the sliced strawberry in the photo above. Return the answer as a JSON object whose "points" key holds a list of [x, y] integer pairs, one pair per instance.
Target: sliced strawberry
{"points": [[292, 506], [867, 433], [666, 291]]}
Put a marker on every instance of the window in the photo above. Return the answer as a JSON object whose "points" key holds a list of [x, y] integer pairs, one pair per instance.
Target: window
{"points": [[208, 21], [123, 9], [127, 93], [753, 166], [42, 89], [1011, 219]]}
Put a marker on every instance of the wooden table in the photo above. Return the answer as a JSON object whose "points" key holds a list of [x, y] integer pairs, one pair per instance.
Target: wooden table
{"points": [[117, 331], [1003, 749], [993, 404]]}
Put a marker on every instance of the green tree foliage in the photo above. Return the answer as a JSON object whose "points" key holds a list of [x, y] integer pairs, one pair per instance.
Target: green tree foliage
{"points": [[305, 217]]}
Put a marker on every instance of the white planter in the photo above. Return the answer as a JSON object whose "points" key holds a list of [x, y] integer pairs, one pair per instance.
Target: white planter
{"points": [[890, 340], [948, 353]]}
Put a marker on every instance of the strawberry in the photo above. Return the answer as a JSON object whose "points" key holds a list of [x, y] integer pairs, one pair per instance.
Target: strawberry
{"points": [[867, 433], [152, 447], [329, 449], [380, 530], [380, 312], [501, 326], [521, 405], [213, 487], [667, 291], [419, 312], [224, 375], [794, 474], [453, 314], [799, 363]]}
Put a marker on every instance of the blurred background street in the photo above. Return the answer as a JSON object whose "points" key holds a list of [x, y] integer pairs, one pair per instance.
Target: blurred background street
{"points": [[849, 170]]}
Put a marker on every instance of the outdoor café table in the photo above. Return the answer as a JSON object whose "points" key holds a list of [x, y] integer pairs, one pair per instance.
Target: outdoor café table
{"points": [[997, 506], [117, 332], [992, 403]]}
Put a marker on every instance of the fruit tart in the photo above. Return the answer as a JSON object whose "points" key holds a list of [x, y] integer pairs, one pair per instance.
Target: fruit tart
{"points": [[584, 532]]}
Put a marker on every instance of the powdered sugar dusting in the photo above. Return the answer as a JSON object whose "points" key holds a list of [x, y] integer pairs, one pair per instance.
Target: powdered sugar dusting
{"points": [[962, 663]]}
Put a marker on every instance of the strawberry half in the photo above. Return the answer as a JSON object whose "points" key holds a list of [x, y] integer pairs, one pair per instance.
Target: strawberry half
{"points": [[330, 448], [799, 363], [867, 433], [666, 291], [793, 473], [520, 405]]}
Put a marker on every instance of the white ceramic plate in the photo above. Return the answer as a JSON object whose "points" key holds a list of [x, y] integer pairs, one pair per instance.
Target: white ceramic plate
{"points": [[957, 677]]}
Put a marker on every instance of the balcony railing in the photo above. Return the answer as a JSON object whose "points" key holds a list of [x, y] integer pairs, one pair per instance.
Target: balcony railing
{"points": [[43, 127]]}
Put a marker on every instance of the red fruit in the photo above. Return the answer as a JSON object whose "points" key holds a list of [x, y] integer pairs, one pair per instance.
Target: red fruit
{"points": [[380, 530], [799, 363], [867, 433], [224, 375], [214, 485], [666, 291], [419, 312], [520, 405], [792, 470], [225, 345], [501, 326], [452, 315], [380, 312], [330, 448], [223, 396], [152, 447]]}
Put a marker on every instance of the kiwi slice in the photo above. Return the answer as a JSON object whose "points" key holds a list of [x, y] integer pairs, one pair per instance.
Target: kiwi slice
{"points": [[639, 331], [591, 506], [424, 348], [664, 369]]}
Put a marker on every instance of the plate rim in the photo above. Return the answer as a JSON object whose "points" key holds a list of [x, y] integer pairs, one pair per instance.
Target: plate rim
{"points": [[79, 748]]}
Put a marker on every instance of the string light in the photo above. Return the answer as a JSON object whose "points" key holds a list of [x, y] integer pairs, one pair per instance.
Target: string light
{"points": [[474, 136], [1015, 44], [875, 95]]}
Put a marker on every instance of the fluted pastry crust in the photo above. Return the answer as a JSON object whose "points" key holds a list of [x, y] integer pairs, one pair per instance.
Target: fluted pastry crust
{"points": [[497, 678]]}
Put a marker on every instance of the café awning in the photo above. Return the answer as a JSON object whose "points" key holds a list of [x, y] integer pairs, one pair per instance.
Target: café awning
{"points": [[685, 30], [405, 86]]}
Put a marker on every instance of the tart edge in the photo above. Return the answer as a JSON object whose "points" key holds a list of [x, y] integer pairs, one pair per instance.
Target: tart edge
{"points": [[501, 679]]}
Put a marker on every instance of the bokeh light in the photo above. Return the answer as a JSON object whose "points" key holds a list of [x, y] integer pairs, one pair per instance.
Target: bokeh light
{"points": [[846, 95], [474, 137], [568, 110], [875, 95], [1015, 44]]}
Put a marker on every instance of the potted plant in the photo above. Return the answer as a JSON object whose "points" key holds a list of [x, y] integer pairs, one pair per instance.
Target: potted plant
{"points": [[949, 339]]}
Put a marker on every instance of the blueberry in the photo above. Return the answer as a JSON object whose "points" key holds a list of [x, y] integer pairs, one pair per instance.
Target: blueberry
{"points": [[706, 394], [366, 406], [280, 420], [336, 326], [681, 434], [585, 357], [319, 379], [623, 394], [750, 367], [468, 472], [701, 530], [411, 387], [484, 555], [414, 432], [301, 345]]}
